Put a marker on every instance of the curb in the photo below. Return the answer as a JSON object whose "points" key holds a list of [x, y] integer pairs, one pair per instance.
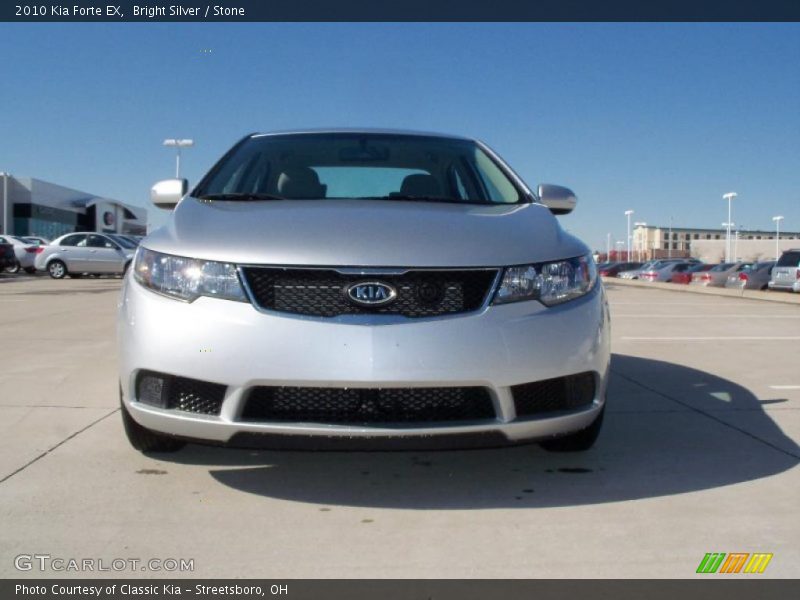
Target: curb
{"points": [[768, 296]]}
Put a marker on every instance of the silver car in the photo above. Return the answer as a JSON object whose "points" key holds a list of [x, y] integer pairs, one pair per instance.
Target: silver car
{"points": [[664, 272], [718, 275], [653, 266], [76, 254], [358, 288], [752, 277], [786, 273]]}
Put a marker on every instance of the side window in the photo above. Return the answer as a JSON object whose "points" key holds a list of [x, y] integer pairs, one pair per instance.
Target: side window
{"points": [[98, 241], [74, 240]]}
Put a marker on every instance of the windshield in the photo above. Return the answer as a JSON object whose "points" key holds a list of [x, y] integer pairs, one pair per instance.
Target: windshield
{"points": [[722, 267], [362, 166]]}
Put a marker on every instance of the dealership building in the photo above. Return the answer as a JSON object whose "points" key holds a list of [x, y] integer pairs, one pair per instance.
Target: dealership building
{"points": [[35, 207]]}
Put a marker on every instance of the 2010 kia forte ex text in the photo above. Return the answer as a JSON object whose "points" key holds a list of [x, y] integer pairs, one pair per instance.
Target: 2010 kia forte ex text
{"points": [[348, 289]]}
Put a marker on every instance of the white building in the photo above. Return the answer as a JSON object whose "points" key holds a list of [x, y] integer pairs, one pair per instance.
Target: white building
{"points": [[652, 241]]}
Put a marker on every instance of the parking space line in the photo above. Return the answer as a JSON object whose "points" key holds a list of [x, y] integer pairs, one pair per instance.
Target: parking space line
{"points": [[785, 387], [61, 443]]}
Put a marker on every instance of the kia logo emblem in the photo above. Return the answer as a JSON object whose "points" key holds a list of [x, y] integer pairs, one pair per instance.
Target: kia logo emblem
{"points": [[371, 293]]}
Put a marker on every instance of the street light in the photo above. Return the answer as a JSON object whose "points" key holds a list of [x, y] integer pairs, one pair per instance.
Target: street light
{"points": [[728, 226], [628, 214], [640, 245], [777, 220], [178, 144], [729, 196], [618, 244]]}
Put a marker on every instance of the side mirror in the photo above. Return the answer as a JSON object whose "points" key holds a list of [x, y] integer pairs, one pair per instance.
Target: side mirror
{"points": [[167, 193], [560, 200]]}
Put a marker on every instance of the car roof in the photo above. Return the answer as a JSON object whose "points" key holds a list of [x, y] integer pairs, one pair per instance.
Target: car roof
{"points": [[362, 130]]}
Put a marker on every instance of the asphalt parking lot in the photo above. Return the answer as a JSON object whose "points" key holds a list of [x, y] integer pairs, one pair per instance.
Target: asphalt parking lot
{"points": [[698, 454]]}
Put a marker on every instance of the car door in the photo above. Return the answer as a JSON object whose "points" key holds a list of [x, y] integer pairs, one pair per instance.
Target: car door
{"points": [[105, 255], [72, 252]]}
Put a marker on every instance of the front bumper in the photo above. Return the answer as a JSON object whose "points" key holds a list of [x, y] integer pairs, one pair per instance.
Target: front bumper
{"points": [[234, 344]]}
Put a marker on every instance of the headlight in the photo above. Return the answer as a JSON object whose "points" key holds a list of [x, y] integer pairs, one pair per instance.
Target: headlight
{"points": [[187, 278], [549, 283]]}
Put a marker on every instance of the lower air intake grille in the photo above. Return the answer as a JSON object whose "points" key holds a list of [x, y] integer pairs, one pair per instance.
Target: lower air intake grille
{"points": [[180, 393], [367, 406], [550, 395]]}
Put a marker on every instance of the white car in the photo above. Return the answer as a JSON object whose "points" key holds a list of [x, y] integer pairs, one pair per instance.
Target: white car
{"points": [[25, 252], [77, 253]]}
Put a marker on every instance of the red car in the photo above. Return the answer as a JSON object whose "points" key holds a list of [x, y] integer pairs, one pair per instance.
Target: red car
{"points": [[686, 276]]}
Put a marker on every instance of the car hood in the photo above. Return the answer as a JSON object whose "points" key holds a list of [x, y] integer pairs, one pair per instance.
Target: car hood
{"points": [[364, 233]]}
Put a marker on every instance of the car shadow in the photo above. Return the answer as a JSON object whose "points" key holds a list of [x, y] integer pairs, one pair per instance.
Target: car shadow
{"points": [[669, 429]]}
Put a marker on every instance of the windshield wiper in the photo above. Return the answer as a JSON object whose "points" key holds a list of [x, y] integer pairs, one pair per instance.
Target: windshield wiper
{"points": [[445, 199], [241, 196]]}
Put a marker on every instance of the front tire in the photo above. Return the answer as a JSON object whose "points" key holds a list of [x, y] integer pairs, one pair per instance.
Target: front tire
{"points": [[145, 440], [580, 441], [57, 269], [13, 268]]}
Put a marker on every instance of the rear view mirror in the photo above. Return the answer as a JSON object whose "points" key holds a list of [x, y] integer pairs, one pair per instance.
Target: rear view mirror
{"points": [[167, 193], [558, 199]]}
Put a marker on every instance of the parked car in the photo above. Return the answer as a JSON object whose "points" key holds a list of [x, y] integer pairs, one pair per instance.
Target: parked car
{"points": [[74, 254], [664, 272], [653, 264], [786, 272], [613, 269], [752, 277], [126, 241], [24, 252], [404, 315], [7, 256], [685, 276], [718, 275]]}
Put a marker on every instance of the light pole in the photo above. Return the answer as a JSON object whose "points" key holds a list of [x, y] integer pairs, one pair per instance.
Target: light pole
{"points": [[178, 144], [641, 242], [608, 247], [728, 247], [619, 244], [777, 220], [6, 229], [729, 196], [628, 214]]}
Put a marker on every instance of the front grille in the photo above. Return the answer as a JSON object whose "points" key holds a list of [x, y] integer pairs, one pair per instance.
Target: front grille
{"points": [[322, 292], [355, 406], [180, 393], [550, 395]]}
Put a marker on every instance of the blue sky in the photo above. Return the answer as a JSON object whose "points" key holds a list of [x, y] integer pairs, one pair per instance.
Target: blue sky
{"points": [[659, 118]]}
